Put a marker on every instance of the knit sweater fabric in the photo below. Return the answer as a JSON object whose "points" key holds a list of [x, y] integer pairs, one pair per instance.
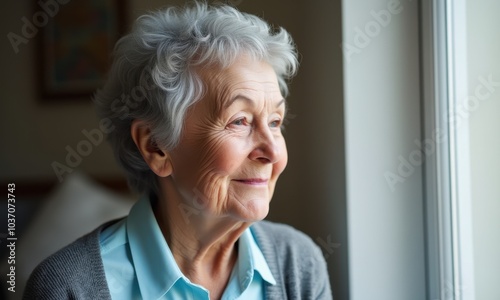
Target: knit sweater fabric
{"points": [[77, 272]]}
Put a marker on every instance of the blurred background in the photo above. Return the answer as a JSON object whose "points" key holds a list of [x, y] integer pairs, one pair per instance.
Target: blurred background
{"points": [[355, 113], [42, 120]]}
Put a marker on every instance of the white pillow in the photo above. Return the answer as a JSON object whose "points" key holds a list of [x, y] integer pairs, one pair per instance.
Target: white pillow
{"points": [[73, 209]]}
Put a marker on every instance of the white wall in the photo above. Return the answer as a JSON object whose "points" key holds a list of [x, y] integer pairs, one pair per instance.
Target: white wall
{"points": [[483, 40], [382, 117]]}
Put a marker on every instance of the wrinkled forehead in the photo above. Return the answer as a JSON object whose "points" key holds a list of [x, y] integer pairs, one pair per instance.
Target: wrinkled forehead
{"points": [[246, 79]]}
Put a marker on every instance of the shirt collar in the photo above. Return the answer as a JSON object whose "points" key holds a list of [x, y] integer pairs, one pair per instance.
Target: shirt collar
{"points": [[249, 252], [153, 261]]}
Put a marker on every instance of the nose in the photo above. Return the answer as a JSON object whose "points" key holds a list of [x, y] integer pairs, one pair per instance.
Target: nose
{"points": [[266, 147]]}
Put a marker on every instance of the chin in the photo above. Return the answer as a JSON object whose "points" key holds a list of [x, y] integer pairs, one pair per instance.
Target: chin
{"points": [[252, 211]]}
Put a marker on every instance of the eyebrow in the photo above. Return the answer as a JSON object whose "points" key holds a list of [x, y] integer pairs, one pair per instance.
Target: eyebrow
{"points": [[246, 99]]}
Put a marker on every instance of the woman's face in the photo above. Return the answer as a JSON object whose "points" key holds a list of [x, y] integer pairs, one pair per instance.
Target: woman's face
{"points": [[232, 151]]}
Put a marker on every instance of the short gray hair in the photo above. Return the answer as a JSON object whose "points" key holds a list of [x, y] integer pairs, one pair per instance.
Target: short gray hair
{"points": [[153, 77]]}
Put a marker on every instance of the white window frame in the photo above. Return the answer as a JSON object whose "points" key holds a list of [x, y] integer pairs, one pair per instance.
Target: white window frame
{"points": [[450, 267]]}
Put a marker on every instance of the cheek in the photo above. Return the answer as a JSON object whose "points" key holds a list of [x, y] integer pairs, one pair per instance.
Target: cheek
{"points": [[223, 155], [215, 159], [222, 158], [201, 167]]}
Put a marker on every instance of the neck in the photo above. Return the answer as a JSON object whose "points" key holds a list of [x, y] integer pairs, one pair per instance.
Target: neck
{"points": [[203, 247]]}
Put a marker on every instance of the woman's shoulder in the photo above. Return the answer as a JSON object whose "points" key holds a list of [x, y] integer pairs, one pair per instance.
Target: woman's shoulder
{"points": [[70, 272], [282, 242], [295, 260]]}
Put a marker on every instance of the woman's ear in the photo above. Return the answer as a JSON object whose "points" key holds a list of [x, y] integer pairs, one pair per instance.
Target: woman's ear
{"points": [[157, 159]]}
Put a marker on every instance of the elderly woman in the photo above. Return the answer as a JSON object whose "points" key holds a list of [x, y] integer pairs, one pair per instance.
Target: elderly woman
{"points": [[196, 102]]}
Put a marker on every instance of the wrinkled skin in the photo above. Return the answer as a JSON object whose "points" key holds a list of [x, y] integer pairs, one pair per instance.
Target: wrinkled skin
{"points": [[231, 137]]}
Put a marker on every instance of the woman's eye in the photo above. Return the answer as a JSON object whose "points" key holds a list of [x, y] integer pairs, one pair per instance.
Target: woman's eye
{"points": [[240, 122], [275, 123]]}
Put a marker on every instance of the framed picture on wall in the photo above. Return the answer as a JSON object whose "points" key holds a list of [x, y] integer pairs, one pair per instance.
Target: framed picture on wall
{"points": [[76, 46]]}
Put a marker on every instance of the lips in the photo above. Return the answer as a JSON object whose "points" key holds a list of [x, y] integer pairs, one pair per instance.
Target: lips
{"points": [[253, 181]]}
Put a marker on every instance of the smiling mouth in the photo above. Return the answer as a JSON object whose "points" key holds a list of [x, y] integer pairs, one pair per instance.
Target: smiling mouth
{"points": [[253, 181]]}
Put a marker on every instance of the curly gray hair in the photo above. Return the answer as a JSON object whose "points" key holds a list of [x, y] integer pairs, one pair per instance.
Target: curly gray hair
{"points": [[153, 76]]}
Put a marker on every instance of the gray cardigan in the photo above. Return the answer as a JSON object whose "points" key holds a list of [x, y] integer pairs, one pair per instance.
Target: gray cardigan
{"points": [[77, 272]]}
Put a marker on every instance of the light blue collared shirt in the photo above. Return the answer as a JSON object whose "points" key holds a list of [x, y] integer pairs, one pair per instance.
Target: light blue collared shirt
{"points": [[139, 264]]}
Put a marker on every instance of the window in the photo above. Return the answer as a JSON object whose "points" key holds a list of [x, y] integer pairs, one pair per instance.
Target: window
{"points": [[455, 95]]}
